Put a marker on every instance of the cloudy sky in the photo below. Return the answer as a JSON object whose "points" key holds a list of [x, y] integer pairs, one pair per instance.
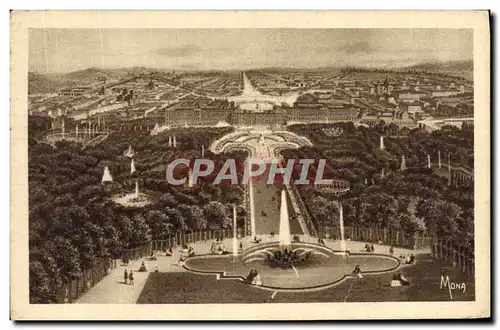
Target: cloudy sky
{"points": [[64, 50]]}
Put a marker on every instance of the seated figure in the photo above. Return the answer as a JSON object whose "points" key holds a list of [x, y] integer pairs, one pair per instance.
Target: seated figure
{"points": [[395, 282], [357, 272], [250, 276], [143, 267], [399, 280], [257, 280]]}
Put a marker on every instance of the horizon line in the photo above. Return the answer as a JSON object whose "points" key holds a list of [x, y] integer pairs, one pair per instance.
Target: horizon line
{"points": [[375, 67]]}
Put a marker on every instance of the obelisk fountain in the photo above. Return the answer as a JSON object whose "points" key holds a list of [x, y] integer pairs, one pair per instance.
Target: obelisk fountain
{"points": [[106, 176], [439, 158], [382, 146], [285, 241], [428, 161], [403, 163]]}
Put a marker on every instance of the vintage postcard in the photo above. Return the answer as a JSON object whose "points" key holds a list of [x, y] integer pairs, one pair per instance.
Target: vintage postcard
{"points": [[294, 165]]}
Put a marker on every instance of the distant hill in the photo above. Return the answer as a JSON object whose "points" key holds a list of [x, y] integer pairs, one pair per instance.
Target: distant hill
{"points": [[52, 82], [91, 74], [458, 68], [445, 66], [41, 83]]}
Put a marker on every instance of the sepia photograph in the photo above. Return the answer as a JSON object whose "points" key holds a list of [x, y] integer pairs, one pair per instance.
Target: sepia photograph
{"points": [[244, 163]]}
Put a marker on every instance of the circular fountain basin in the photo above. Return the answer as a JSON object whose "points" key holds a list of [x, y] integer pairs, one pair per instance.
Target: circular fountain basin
{"points": [[132, 200], [323, 268]]}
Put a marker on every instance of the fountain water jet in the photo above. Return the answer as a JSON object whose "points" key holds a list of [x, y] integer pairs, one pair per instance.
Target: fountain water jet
{"points": [[136, 188], [341, 220], [252, 209], [285, 241], [235, 238]]}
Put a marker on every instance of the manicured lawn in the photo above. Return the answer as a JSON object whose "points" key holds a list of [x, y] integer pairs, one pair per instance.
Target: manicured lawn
{"points": [[425, 276]]}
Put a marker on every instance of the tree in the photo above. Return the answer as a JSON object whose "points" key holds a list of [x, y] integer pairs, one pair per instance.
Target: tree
{"points": [[159, 224], [216, 215], [440, 216], [195, 217], [141, 232], [40, 284]]}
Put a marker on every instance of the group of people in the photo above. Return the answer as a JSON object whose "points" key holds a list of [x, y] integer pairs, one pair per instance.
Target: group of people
{"points": [[321, 241], [168, 252], [125, 261], [256, 240], [399, 280], [218, 248], [369, 248], [409, 259], [128, 277], [253, 278]]}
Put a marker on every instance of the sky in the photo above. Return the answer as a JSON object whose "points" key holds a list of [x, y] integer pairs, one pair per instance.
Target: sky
{"points": [[66, 50]]}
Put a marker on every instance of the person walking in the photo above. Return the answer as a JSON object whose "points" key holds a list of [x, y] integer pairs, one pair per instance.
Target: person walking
{"points": [[125, 276], [131, 278]]}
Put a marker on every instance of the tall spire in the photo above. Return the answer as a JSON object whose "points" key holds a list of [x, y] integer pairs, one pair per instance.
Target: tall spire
{"points": [[439, 158], [175, 142], [170, 141], [429, 161], [76, 132], [136, 188], [382, 146]]}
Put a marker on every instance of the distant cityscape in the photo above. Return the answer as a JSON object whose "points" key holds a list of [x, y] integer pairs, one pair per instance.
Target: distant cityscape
{"points": [[146, 97]]}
